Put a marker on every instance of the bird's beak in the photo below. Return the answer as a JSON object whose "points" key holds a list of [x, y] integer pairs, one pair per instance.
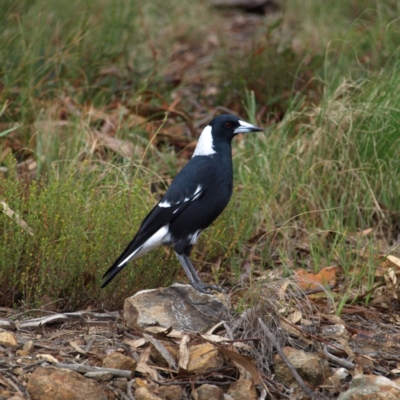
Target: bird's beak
{"points": [[246, 127]]}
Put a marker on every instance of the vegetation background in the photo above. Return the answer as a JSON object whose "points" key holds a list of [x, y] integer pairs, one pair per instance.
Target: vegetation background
{"points": [[101, 103]]}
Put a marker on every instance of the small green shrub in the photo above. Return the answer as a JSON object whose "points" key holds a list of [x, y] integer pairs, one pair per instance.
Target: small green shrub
{"points": [[78, 231]]}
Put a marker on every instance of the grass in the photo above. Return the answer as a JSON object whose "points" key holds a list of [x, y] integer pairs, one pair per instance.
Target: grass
{"points": [[323, 80]]}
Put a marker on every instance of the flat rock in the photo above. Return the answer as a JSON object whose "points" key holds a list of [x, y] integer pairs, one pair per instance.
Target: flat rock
{"points": [[366, 387], [209, 392], [310, 367], [142, 393], [243, 389], [173, 392], [119, 361], [178, 306], [62, 384], [8, 339], [204, 357]]}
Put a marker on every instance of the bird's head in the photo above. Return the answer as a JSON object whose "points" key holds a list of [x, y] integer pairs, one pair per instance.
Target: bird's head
{"points": [[221, 129]]}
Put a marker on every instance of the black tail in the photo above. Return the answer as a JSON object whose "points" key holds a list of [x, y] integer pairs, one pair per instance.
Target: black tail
{"points": [[115, 268], [110, 274]]}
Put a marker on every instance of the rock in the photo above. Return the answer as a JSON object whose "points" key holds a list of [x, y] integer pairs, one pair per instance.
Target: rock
{"points": [[119, 361], [142, 393], [8, 339], [209, 392], [243, 389], [365, 387], [339, 377], [5, 394], [173, 392], [204, 357], [228, 397], [309, 366], [178, 306], [62, 384], [121, 383]]}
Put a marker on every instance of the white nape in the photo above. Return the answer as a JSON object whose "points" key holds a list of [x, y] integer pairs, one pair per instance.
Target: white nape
{"points": [[159, 238], [205, 144]]}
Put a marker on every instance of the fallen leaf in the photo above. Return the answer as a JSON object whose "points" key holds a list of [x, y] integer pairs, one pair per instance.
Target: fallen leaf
{"points": [[394, 260], [134, 343], [308, 281], [184, 354], [365, 232], [282, 290], [245, 361], [48, 357], [77, 347], [295, 317]]}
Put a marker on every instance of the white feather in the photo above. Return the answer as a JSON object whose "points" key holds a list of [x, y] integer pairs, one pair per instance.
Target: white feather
{"points": [[167, 204], [205, 144], [156, 240], [164, 204], [194, 237]]}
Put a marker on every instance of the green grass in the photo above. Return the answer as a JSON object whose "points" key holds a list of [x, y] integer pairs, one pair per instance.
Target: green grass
{"points": [[322, 79]]}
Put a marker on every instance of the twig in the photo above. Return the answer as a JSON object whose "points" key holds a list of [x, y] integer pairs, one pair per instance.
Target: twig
{"points": [[292, 370], [32, 365], [162, 350], [13, 381], [263, 394], [83, 369], [89, 345], [129, 389], [337, 360], [190, 382], [228, 331], [13, 215], [8, 377]]}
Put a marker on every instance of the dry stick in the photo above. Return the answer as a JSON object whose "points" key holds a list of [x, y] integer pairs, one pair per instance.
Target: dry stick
{"points": [[209, 382], [14, 382], [292, 370], [263, 394], [337, 360], [83, 369], [162, 350], [13, 215], [89, 345], [129, 389]]}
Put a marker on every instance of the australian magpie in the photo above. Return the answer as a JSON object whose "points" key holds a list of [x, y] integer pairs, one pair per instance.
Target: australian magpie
{"points": [[196, 197]]}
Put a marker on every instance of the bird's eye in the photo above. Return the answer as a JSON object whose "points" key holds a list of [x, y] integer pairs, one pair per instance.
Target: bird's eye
{"points": [[228, 125]]}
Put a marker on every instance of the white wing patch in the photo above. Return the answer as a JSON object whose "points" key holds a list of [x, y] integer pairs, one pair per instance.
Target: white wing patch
{"points": [[162, 236], [167, 204], [205, 144]]}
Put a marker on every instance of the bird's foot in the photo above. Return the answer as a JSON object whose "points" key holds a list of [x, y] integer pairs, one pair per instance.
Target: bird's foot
{"points": [[207, 289]]}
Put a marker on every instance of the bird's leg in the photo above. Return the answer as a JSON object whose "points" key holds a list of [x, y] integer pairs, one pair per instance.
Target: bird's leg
{"points": [[194, 278]]}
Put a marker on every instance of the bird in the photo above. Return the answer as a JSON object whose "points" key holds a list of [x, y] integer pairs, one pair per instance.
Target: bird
{"points": [[196, 197]]}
